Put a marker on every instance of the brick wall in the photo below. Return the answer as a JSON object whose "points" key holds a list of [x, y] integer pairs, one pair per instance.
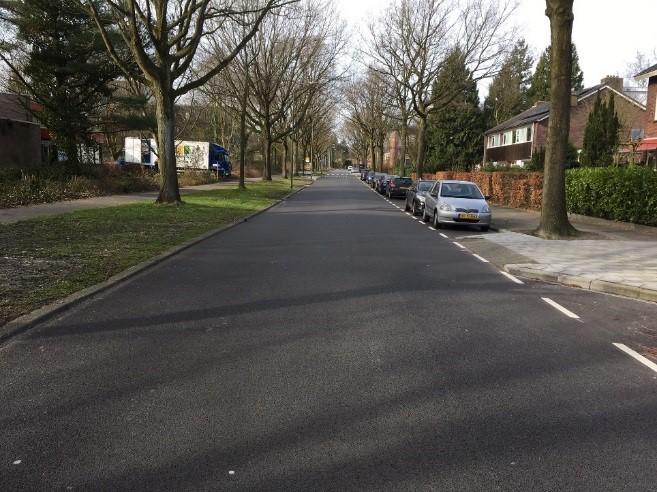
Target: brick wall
{"points": [[629, 114], [649, 123]]}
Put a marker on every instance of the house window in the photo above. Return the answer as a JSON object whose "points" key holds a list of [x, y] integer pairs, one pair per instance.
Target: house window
{"points": [[507, 138], [516, 134], [529, 133]]}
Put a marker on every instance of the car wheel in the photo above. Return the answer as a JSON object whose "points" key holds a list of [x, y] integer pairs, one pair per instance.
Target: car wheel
{"points": [[414, 209], [484, 228], [389, 195], [406, 207], [425, 217], [436, 222]]}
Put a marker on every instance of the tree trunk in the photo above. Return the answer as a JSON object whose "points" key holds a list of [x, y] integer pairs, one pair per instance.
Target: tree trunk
{"points": [[267, 150], [380, 156], [421, 146], [403, 137], [293, 162], [373, 154], [554, 219], [286, 156], [243, 136], [166, 125]]}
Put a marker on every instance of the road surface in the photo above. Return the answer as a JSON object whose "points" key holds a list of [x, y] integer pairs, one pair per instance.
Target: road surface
{"points": [[332, 343]]}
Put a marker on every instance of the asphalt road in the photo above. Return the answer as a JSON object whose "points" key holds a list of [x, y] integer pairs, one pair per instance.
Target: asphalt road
{"points": [[332, 343]]}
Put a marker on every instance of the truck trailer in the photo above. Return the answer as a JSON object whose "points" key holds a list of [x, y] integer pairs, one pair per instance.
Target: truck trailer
{"points": [[189, 155]]}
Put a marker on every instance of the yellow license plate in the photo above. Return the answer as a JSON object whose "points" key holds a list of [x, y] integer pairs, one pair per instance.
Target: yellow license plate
{"points": [[469, 216]]}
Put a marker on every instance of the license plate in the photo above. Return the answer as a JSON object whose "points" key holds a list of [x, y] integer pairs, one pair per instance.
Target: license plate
{"points": [[469, 216], [404, 188]]}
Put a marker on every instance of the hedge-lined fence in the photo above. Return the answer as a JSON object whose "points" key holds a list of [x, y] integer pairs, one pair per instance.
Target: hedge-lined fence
{"points": [[627, 194]]}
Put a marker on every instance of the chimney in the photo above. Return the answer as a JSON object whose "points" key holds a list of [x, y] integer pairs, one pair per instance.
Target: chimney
{"points": [[613, 81], [573, 100]]}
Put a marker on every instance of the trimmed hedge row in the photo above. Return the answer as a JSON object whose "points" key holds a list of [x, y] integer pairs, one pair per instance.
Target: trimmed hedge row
{"points": [[628, 194]]}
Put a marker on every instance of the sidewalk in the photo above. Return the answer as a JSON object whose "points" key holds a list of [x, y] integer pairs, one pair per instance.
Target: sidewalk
{"points": [[613, 257], [11, 215]]}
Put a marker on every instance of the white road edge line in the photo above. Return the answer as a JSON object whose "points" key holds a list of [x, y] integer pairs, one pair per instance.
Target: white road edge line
{"points": [[443, 235], [559, 307], [430, 227], [512, 278], [636, 355], [484, 260], [459, 245], [407, 214], [413, 217]]}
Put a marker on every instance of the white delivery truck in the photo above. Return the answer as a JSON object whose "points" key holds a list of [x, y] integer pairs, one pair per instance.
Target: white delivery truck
{"points": [[189, 155]]}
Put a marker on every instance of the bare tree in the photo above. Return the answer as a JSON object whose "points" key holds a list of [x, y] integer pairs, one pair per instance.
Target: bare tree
{"points": [[163, 38], [554, 219], [294, 60], [365, 104], [411, 42]]}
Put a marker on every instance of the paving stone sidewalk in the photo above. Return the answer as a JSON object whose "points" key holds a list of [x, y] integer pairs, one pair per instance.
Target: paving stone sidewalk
{"points": [[612, 257]]}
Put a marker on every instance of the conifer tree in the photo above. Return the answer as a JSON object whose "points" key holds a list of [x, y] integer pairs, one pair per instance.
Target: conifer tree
{"points": [[507, 93], [455, 134], [539, 89], [601, 137], [59, 61]]}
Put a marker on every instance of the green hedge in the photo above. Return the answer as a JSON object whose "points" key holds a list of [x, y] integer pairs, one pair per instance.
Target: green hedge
{"points": [[627, 194]]}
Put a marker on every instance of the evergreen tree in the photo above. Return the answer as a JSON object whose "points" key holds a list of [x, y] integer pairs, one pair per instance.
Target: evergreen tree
{"points": [[62, 64], [507, 93], [601, 137], [455, 134], [539, 89]]}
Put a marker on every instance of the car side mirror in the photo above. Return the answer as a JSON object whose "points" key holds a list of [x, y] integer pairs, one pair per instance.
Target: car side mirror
{"points": [[434, 194]]}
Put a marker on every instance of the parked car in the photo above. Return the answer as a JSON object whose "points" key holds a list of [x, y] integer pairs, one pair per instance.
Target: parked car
{"points": [[382, 183], [363, 174], [398, 187], [416, 194], [456, 202], [374, 179], [350, 168]]}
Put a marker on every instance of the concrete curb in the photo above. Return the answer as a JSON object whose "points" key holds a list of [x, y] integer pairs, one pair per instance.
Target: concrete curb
{"points": [[625, 290], [29, 320]]}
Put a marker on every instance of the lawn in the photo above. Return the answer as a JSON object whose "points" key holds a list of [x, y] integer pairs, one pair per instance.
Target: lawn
{"points": [[47, 259]]}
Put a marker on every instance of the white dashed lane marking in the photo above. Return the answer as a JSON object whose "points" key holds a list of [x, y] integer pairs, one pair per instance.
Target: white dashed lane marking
{"points": [[637, 356], [560, 308], [459, 245], [512, 278]]}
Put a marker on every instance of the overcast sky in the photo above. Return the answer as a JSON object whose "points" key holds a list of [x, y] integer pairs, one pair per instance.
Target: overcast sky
{"points": [[607, 37]]}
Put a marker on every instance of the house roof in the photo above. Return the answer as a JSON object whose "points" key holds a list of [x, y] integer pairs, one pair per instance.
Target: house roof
{"points": [[530, 115], [648, 72], [541, 110]]}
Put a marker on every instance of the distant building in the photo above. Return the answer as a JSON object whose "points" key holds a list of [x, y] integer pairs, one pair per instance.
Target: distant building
{"points": [[514, 141], [648, 145]]}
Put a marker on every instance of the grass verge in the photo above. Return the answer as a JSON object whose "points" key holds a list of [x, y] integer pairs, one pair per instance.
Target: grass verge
{"points": [[43, 260]]}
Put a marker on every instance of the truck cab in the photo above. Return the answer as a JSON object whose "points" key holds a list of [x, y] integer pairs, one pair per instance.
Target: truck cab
{"points": [[220, 161]]}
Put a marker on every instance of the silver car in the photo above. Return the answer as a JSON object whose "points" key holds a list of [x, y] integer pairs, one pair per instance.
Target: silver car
{"points": [[456, 202]]}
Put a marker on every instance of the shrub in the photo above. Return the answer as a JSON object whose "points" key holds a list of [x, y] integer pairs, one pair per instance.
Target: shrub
{"points": [[628, 194]]}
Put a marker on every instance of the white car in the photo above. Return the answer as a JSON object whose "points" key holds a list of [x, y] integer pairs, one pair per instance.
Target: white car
{"points": [[456, 202], [350, 168]]}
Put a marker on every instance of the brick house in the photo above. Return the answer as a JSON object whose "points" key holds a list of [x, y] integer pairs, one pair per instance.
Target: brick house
{"points": [[514, 141], [648, 145]]}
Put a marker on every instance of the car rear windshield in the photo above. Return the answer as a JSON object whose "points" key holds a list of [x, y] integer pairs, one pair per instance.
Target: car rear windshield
{"points": [[425, 185], [460, 190], [403, 181]]}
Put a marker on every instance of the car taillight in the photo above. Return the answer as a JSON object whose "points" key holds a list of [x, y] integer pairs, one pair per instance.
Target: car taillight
{"points": [[391, 184]]}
